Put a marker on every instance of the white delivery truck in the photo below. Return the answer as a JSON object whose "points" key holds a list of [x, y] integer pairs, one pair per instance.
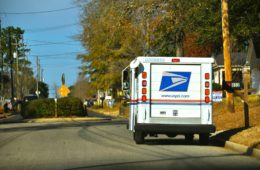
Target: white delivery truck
{"points": [[169, 95]]}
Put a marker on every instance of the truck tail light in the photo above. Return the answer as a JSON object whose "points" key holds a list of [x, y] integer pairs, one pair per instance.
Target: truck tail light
{"points": [[144, 75], [144, 83], [207, 99], [175, 60], [207, 76], [207, 92], [144, 98], [206, 84], [144, 91]]}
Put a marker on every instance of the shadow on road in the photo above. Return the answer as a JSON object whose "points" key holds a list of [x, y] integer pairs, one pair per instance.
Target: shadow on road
{"points": [[94, 114], [221, 138], [157, 163], [170, 141], [47, 126]]}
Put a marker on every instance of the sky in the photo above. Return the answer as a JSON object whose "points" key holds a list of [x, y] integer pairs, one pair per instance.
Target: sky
{"points": [[49, 35]]}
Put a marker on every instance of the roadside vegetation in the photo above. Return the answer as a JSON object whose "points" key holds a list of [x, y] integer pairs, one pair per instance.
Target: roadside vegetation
{"points": [[66, 107], [115, 32], [25, 81], [225, 120], [235, 122]]}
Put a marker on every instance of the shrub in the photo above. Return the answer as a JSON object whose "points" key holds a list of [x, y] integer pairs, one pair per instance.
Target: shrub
{"points": [[39, 108], [216, 87], [67, 106]]}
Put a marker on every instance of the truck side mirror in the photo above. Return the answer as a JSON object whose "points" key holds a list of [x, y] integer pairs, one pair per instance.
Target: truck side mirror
{"points": [[125, 85]]}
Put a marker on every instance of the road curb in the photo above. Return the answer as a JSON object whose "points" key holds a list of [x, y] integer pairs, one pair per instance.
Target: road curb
{"points": [[245, 150], [48, 120]]}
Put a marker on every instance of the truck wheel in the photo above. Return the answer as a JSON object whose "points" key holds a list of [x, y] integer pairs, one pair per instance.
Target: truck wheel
{"points": [[171, 135], [204, 139], [189, 137], [139, 137]]}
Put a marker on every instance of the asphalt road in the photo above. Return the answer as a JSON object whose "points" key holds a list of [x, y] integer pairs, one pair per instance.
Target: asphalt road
{"points": [[106, 145]]}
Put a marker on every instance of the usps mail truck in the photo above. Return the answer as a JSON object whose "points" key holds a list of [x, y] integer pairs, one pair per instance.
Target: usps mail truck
{"points": [[169, 95]]}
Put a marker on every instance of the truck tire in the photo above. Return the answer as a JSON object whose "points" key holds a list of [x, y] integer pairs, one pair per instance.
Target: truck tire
{"points": [[139, 137], [189, 137], [171, 135], [204, 139]]}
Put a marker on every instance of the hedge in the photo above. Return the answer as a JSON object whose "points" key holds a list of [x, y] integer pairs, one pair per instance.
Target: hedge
{"points": [[67, 106], [216, 86]]}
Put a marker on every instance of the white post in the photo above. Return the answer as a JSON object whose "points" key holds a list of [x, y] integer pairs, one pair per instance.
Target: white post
{"points": [[56, 107]]}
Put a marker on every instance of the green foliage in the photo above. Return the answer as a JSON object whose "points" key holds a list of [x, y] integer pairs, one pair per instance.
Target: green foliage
{"points": [[115, 32], [44, 89], [67, 106], [205, 21], [39, 108], [216, 87], [25, 74]]}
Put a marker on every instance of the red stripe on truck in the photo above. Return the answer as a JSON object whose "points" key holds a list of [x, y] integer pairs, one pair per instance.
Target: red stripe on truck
{"points": [[170, 101]]}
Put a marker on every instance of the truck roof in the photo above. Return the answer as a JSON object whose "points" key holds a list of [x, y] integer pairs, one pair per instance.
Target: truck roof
{"points": [[163, 59]]}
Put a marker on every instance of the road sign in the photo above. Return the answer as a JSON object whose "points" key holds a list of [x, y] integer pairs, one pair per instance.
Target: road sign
{"points": [[64, 91]]}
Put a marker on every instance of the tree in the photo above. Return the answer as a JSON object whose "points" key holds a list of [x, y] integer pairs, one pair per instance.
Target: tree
{"points": [[105, 28], [83, 89], [205, 21], [44, 89], [23, 73], [115, 32]]}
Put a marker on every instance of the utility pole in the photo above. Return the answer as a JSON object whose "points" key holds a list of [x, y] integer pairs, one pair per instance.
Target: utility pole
{"points": [[11, 65], [17, 74], [2, 62], [37, 76], [226, 51], [15, 56], [42, 75]]}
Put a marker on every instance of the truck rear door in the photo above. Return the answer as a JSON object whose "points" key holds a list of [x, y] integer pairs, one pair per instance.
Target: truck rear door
{"points": [[175, 91]]}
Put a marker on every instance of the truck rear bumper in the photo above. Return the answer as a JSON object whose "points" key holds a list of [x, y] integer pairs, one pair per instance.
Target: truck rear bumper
{"points": [[175, 128]]}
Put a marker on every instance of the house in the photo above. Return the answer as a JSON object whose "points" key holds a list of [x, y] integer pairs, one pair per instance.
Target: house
{"points": [[240, 63], [253, 58]]}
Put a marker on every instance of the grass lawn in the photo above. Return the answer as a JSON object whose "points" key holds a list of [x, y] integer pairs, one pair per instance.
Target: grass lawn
{"points": [[227, 121]]}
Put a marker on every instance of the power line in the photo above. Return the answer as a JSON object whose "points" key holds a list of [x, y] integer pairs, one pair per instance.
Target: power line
{"points": [[37, 12], [51, 44], [50, 28], [61, 58], [54, 43], [42, 41], [57, 65], [48, 67], [59, 54]]}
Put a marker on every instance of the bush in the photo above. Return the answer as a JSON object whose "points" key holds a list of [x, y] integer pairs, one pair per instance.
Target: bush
{"points": [[67, 106], [216, 87], [39, 108]]}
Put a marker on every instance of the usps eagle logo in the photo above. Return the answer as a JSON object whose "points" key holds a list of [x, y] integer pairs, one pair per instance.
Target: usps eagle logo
{"points": [[175, 81]]}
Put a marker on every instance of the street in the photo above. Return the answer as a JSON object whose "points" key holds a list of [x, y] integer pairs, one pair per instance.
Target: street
{"points": [[106, 145]]}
